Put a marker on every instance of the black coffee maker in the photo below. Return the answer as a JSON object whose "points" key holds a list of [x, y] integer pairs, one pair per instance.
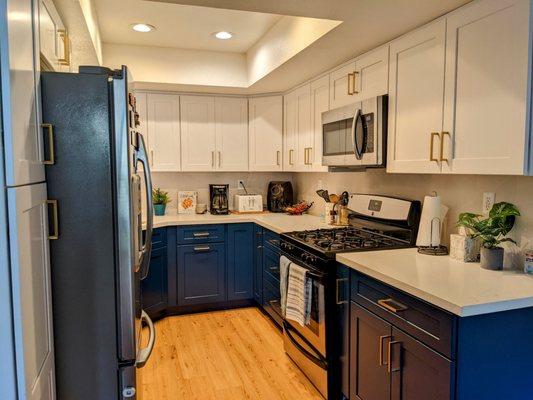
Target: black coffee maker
{"points": [[218, 199]]}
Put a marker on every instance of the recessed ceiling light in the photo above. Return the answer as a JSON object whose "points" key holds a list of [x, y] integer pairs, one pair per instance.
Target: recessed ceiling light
{"points": [[143, 28], [223, 35]]}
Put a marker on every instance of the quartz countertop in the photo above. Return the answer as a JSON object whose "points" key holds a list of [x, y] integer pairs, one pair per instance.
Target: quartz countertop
{"points": [[276, 222], [464, 289]]}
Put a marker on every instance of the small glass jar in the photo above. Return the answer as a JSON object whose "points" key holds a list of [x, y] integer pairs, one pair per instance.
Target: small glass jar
{"points": [[528, 262]]}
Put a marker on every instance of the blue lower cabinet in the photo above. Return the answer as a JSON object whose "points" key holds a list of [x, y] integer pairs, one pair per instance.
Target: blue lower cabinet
{"points": [[343, 325], [201, 274], [240, 241], [258, 264], [154, 288]]}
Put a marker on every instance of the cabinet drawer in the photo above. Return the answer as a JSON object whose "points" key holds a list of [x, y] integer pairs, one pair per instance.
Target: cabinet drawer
{"points": [[159, 238], [270, 239], [425, 322], [201, 234]]}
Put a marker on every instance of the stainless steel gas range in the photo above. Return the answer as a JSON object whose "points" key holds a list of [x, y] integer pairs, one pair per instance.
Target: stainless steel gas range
{"points": [[376, 223]]}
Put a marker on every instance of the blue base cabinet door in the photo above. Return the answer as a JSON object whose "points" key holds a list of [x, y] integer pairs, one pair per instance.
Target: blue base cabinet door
{"points": [[201, 274], [240, 261], [154, 288]]}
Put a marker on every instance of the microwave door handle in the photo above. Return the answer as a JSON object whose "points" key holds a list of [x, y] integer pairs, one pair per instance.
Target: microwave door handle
{"points": [[357, 151], [144, 353], [146, 248]]}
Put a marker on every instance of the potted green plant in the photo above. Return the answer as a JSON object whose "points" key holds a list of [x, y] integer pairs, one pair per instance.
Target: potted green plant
{"points": [[160, 199], [491, 231]]}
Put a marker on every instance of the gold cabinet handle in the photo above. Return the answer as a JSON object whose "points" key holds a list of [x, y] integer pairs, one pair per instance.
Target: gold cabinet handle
{"points": [[351, 79], [355, 75], [55, 220], [52, 159], [290, 156], [152, 158], [66, 47], [220, 159], [212, 158], [390, 369], [442, 146], [381, 339], [392, 305], [305, 155], [431, 158], [277, 157]]}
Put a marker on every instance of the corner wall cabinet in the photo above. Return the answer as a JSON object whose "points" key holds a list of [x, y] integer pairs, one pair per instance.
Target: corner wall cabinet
{"points": [[457, 104]]}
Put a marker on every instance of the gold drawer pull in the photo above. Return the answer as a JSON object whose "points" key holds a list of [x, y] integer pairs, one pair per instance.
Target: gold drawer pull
{"points": [[52, 159], [201, 234], [66, 47], [392, 305], [55, 235], [202, 248]]}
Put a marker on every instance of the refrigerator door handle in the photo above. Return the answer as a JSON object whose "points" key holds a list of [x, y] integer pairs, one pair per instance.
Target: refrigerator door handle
{"points": [[144, 354], [146, 247]]}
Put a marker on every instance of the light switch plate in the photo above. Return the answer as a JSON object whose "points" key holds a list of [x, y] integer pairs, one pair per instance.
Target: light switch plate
{"points": [[488, 202]]}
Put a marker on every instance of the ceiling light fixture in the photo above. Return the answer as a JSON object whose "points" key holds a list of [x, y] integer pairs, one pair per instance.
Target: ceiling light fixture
{"points": [[144, 28], [223, 35]]}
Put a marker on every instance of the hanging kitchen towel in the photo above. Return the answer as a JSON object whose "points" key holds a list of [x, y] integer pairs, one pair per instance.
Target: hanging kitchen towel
{"points": [[298, 303], [284, 264]]}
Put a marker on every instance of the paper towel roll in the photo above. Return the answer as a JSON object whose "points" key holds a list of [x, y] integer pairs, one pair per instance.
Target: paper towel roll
{"points": [[433, 213]]}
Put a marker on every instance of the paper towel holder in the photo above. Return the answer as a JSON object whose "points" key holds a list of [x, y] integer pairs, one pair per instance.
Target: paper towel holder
{"points": [[438, 250]]}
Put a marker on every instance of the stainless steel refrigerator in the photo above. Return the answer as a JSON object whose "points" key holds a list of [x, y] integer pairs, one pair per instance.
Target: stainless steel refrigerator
{"points": [[100, 254]]}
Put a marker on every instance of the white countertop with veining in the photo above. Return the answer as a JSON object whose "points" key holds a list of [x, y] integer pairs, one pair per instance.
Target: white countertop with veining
{"points": [[274, 221], [464, 289]]}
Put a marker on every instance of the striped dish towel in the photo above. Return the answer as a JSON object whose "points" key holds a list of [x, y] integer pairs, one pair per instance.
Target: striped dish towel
{"points": [[298, 303], [284, 264]]}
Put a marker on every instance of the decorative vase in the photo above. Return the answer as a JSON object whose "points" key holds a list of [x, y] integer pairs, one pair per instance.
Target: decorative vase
{"points": [[492, 258], [159, 209]]}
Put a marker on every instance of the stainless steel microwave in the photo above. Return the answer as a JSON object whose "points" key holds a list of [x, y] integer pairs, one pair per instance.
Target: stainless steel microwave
{"points": [[354, 136]]}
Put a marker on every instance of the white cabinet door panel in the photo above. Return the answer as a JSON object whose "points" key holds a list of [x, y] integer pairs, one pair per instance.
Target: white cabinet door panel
{"points": [[416, 93], [339, 92], [372, 74], [22, 136], [163, 131], [297, 133], [30, 269], [486, 88], [231, 125], [198, 133], [290, 132], [319, 104], [265, 124]]}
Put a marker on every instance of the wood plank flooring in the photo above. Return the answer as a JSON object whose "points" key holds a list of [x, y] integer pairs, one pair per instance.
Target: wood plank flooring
{"points": [[235, 354]]}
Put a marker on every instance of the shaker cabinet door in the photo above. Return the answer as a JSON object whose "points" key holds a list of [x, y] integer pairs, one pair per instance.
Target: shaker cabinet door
{"points": [[341, 86], [265, 130], [319, 104], [372, 74], [231, 125], [416, 92], [240, 265], [163, 129], [154, 288], [198, 138], [485, 111], [23, 136]]}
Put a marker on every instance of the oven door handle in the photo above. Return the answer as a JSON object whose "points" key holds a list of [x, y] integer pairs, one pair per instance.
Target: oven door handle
{"points": [[319, 361]]}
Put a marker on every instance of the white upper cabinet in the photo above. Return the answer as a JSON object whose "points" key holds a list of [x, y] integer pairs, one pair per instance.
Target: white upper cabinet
{"points": [[416, 94], [341, 86], [23, 137], [198, 138], [319, 104], [53, 38], [485, 108], [297, 144], [231, 126], [371, 77], [163, 128], [265, 125]]}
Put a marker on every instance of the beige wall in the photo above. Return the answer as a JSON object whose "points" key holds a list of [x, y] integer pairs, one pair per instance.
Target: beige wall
{"points": [[256, 182], [460, 192]]}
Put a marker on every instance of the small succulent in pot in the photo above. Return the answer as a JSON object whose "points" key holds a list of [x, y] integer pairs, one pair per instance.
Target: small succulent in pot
{"points": [[160, 199], [491, 231]]}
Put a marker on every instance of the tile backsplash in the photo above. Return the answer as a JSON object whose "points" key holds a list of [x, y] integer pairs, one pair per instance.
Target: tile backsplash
{"points": [[255, 182], [459, 192]]}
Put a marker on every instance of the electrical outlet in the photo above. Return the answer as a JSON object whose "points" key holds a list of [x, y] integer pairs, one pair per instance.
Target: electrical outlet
{"points": [[488, 202], [240, 184]]}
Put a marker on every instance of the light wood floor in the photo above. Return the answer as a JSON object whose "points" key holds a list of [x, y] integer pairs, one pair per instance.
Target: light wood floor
{"points": [[235, 354]]}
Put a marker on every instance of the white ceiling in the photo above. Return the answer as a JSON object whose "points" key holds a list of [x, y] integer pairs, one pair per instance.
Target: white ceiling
{"points": [[181, 26]]}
